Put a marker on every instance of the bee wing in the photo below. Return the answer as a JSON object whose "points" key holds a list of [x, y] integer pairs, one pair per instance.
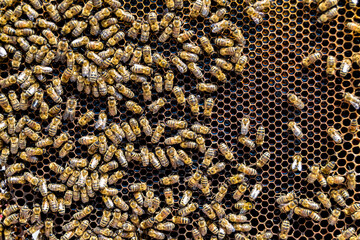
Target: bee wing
{"points": [[356, 105], [294, 165], [299, 166]]}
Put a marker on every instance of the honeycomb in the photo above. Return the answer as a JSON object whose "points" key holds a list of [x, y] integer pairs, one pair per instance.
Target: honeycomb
{"points": [[275, 49]]}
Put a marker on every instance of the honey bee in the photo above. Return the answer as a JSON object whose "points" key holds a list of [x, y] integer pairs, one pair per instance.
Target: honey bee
{"points": [[295, 129], [53, 202], [338, 198], [134, 107], [155, 106], [236, 218], [129, 134], [332, 13], [307, 203], [352, 99], [11, 219], [186, 35], [346, 234], [296, 101], [196, 8], [297, 164], [255, 192], [83, 213], [86, 118], [256, 16], [323, 198], [243, 206], [337, 179], [345, 67], [218, 167], [68, 146], [240, 191], [180, 65], [36, 211], [188, 209], [331, 66], [351, 180], [246, 141], [31, 13], [220, 26], [335, 135], [314, 172], [353, 26], [152, 19], [292, 205], [334, 217]]}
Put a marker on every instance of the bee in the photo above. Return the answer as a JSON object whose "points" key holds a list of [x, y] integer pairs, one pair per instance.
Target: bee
{"points": [[163, 214], [296, 101], [327, 5], [66, 149], [136, 208], [246, 170], [152, 19], [351, 180], [49, 225], [223, 64], [334, 217], [156, 234], [83, 213], [345, 67], [170, 180], [202, 226], [186, 35], [188, 56], [307, 203], [134, 30], [53, 202], [213, 228], [11, 220], [353, 26], [255, 192], [218, 74], [287, 207], [130, 135], [196, 8], [179, 64], [209, 212], [346, 234], [225, 224], [160, 60], [256, 16], [352, 99], [323, 198], [264, 158], [36, 211], [338, 198], [220, 26], [59, 140], [194, 179], [16, 61], [134, 107], [178, 4], [180, 220], [335, 135], [86, 118], [30, 55], [155, 106], [239, 192], [169, 80], [223, 188], [311, 59], [54, 126], [218, 167], [337, 179], [188, 209], [331, 66], [297, 164], [332, 13], [314, 172], [10, 209], [295, 129], [246, 141], [206, 87], [237, 178], [160, 153], [31, 13], [115, 133]]}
